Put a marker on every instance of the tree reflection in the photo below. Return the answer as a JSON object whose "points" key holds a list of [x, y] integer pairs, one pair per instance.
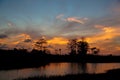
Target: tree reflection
{"points": [[94, 65], [76, 68], [84, 67]]}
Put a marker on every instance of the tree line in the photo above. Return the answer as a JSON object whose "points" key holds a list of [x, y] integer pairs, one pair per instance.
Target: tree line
{"points": [[81, 47], [74, 46]]}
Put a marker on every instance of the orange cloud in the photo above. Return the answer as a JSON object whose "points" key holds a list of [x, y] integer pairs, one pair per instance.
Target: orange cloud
{"points": [[108, 29], [2, 40], [14, 40], [58, 40], [20, 38], [106, 33], [23, 36], [118, 48], [105, 38], [102, 40]]}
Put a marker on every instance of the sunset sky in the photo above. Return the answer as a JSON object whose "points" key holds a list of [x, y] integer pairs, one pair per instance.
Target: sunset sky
{"points": [[22, 22]]}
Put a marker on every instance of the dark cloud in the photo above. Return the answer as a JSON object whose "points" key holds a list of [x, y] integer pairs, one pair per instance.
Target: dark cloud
{"points": [[33, 31], [13, 29], [111, 20], [27, 40], [3, 46], [10, 31], [3, 36]]}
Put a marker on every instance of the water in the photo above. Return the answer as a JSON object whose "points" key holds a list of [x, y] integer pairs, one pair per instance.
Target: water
{"points": [[58, 69]]}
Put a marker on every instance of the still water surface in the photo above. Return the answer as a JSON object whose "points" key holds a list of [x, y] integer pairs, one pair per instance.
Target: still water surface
{"points": [[53, 69]]}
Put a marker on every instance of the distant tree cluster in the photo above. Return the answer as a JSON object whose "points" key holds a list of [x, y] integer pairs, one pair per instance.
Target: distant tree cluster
{"points": [[75, 47], [80, 47], [72, 46], [41, 45], [95, 50]]}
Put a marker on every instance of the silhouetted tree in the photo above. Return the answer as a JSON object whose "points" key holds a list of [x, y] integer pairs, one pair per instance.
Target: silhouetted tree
{"points": [[56, 51], [72, 46], [82, 47], [60, 51], [95, 50], [40, 44]]}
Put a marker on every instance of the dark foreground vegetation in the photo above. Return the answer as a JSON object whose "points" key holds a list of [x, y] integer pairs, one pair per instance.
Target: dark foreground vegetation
{"points": [[21, 58], [109, 75], [14, 59]]}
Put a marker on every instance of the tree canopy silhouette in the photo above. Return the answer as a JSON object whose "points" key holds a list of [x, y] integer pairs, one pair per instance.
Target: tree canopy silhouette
{"points": [[72, 46], [95, 50], [40, 44], [78, 47], [82, 47]]}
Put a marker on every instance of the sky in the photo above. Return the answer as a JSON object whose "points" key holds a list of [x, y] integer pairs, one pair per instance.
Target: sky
{"points": [[22, 22]]}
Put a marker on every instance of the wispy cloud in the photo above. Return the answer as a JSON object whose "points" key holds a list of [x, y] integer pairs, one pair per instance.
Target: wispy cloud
{"points": [[72, 19], [68, 26], [60, 16]]}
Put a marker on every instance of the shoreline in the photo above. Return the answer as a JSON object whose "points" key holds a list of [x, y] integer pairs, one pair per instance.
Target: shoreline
{"points": [[18, 61]]}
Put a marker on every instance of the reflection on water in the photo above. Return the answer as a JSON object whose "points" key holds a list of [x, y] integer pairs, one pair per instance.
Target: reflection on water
{"points": [[58, 69]]}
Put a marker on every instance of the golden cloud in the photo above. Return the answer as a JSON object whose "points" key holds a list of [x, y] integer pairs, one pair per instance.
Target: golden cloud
{"points": [[117, 48], [57, 40], [103, 38], [14, 40], [106, 33]]}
